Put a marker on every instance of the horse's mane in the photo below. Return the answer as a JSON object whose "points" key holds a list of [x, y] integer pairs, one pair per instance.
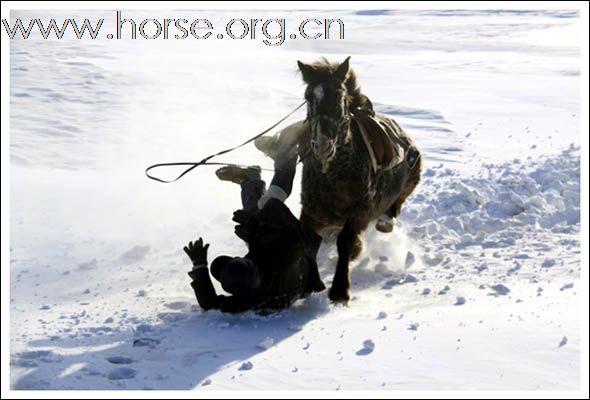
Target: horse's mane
{"points": [[323, 69]]}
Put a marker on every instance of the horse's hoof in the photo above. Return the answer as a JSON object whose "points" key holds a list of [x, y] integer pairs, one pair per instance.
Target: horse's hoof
{"points": [[384, 224], [339, 296]]}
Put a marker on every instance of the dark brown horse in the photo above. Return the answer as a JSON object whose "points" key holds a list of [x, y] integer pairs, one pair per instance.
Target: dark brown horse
{"points": [[340, 187]]}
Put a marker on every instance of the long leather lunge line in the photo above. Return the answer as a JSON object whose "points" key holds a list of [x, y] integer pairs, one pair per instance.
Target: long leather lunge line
{"points": [[194, 165]]}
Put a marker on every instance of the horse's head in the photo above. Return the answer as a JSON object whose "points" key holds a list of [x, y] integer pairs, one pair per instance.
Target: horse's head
{"points": [[328, 106]]}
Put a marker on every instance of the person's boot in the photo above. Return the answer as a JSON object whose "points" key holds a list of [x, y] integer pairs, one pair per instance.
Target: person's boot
{"points": [[236, 174]]}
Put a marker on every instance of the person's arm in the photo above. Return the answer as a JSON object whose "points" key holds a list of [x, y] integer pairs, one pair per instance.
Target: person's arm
{"points": [[209, 300], [201, 283], [247, 224]]}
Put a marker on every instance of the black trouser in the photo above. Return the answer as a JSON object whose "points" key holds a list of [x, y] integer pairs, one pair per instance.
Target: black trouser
{"points": [[237, 275], [254, 188]]}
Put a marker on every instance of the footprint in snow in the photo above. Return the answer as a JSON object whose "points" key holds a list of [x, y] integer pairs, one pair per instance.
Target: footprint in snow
{"points": [[146, 342], [122, 373], [413, 327], [407, 278], [119, 360], [246, 366], [567, 286], [499, 290], [444, 290], [460, 301], [368, 347]]}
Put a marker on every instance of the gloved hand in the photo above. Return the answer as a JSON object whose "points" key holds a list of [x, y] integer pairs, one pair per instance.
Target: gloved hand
{"points": [[197, 252], [247, 224], [243, 217]]}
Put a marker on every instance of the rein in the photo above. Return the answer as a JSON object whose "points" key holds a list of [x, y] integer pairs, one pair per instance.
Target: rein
{"points": [[205, 160]]}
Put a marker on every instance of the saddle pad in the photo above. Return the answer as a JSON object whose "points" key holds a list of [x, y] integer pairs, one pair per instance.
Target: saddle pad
{"points": [[380, 139]]}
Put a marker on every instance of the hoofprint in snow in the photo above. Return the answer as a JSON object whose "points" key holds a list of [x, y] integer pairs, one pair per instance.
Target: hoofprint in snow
{"points": [[476, 288]]}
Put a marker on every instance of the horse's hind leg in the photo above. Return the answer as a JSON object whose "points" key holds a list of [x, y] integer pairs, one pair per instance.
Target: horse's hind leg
{"points": [[339, 292], [357, 247], [385, 222]]}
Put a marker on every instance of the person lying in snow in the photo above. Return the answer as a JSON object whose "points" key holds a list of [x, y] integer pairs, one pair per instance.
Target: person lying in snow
{"points": [[280, 265]]}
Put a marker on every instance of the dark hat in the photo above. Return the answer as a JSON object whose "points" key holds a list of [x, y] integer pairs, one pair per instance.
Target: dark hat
{"points": [[240, 276]]}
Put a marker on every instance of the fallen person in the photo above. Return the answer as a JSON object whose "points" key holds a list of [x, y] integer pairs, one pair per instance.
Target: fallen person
{"points": [[280, 265]]}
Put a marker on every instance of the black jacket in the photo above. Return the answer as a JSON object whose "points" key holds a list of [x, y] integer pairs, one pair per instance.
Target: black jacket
{"points": [[283, 249]]}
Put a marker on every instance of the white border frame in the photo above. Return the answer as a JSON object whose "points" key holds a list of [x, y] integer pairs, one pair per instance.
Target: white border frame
{"points": [[233, 5]]}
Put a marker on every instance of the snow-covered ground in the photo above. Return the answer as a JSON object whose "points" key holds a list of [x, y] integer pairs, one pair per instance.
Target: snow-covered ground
{"points": [[476, 288]]}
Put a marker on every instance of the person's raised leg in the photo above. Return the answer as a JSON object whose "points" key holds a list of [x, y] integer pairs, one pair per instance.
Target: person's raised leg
{"points": [[249, 180], [282, 181]]}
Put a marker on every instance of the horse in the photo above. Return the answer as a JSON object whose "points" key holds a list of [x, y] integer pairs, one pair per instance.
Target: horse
{"points": [[341, 186]]}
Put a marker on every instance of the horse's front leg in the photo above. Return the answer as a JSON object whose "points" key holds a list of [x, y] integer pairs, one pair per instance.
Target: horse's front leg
{"points": [[339, 292]]}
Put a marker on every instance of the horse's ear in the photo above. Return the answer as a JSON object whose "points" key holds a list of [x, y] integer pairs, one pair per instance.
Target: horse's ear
{"points": [[307, 71], [342, 70]]}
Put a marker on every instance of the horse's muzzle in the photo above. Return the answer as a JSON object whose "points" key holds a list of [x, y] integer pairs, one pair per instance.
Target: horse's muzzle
{"points": [[323, 147]]}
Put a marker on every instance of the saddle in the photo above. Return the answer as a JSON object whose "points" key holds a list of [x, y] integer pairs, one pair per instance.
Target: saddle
{"points": [[382, 138]]}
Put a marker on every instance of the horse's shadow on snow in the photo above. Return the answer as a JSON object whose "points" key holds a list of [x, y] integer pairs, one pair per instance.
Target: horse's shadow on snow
{"points": [[182, 349]]}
